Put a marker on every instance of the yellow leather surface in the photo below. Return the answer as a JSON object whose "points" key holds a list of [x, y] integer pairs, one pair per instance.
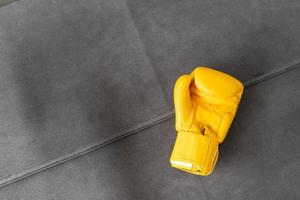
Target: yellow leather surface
{"points": [[205, 104]]}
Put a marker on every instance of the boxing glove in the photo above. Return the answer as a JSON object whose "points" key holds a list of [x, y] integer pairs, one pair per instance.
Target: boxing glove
{"points": [[205, 104]]}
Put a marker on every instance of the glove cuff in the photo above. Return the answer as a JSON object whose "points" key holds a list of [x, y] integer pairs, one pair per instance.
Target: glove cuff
{"points": [[195, 152]]}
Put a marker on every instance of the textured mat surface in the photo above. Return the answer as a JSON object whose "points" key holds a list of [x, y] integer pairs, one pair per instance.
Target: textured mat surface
{"points": [[259, 159], [75, 75], [71, 75]]}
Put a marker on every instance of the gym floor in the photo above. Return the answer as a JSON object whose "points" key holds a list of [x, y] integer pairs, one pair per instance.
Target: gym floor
{"points": [[86, 97]]}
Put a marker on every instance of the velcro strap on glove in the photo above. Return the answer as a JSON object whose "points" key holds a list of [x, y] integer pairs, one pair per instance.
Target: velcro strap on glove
{"points": [[195, 152]]}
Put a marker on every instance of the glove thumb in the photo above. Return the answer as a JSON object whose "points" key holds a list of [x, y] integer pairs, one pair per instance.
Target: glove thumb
{"points": [[182, 103]]}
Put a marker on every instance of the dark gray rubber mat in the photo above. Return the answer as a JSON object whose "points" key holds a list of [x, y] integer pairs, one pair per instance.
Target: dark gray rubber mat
{"points": [[77, 75], [73, 74]]}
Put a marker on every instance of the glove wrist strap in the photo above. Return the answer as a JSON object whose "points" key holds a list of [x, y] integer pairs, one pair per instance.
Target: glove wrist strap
{"points": [[195, 152]]}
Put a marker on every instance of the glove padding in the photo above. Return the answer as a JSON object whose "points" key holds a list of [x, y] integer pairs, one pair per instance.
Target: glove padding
{"points": [[205, 104]]}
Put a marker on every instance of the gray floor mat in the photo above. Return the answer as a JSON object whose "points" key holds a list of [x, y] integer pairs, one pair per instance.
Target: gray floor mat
{"points": [[77, 74], [72, 74], [258, 160]]}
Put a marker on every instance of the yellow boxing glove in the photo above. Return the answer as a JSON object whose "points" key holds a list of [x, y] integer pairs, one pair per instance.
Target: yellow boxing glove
{"points": [[205, 104]]}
